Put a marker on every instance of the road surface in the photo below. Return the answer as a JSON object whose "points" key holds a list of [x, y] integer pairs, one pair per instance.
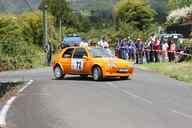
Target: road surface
{"points": [[149, 100]]}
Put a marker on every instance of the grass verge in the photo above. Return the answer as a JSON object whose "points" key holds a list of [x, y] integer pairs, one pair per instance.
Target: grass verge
{"points": [[178, 71]]}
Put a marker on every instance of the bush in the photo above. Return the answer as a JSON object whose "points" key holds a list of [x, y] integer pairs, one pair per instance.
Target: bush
{"points": [[21, 41], [138, 13]]}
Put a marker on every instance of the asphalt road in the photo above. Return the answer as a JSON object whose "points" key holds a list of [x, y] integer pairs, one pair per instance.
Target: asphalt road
{"points": [[149, 100]]}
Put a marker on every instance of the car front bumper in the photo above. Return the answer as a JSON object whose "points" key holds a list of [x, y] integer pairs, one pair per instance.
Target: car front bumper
{"points": [[115, 72]]}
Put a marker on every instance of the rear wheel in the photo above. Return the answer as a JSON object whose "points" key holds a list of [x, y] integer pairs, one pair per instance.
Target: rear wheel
{"points": [[97, 74], [58, 73]]}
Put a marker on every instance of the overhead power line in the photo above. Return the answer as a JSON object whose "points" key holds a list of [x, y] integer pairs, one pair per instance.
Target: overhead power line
{"points": [[30, 7], [28, 4]]}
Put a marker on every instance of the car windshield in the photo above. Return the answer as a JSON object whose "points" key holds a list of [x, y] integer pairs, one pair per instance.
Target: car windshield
{"points": [[100, 53]]}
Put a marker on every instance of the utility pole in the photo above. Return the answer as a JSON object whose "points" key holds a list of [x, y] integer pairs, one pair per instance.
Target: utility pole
{"points": [[60, 24], [47, 45], [45, 25], [60, 30]]}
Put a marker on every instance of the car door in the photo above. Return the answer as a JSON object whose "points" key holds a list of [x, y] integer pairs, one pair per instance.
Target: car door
{"points": [[77, 62], [66, 60]]}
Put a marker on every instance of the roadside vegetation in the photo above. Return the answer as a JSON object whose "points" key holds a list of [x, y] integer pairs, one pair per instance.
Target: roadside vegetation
{"points": [[21, 33], [180, 11], [178, 71], [21, 41]]}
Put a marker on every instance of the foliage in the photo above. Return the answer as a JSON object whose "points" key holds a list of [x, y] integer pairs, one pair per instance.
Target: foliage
{"points": [[32, 28], [178, 16], [175, 4], [20, 41], [160, 6], [123, 30], [60, 10], [135, 12]]}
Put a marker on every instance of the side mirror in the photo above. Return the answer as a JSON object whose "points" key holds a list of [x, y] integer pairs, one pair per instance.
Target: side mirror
{"points": [[85, 57]]}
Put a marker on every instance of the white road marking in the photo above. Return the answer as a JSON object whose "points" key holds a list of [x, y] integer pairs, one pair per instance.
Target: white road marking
{"points": [[4, 111], [182, 114], [136, 96], [28, 83], [130, 94], [5, 108]]}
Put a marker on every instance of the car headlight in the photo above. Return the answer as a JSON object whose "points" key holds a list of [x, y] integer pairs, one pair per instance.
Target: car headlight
{"points": [[112, 65]]}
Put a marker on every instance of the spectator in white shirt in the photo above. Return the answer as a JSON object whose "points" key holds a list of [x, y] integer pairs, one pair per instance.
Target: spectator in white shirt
{"points": [[84, 44], [103, 43], [164, 51]]}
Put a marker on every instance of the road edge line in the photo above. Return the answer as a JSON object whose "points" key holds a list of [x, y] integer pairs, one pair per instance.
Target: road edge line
{"points": [[6, 107]]}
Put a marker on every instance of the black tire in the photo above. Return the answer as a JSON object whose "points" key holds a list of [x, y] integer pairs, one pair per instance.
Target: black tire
{"points": [[58, 73], [124, 77], [97, 74]]}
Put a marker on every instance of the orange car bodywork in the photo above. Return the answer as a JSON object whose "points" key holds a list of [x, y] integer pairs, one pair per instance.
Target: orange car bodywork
{"points": [[110, 66]]}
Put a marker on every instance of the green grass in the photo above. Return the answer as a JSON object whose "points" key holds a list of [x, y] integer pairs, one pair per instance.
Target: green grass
{"points": [[178, 71]]}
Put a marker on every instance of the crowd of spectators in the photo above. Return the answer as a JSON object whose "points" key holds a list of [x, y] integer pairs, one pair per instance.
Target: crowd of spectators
{"points": [[153, 50]]}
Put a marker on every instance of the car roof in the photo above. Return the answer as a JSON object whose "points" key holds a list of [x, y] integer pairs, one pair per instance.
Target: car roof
{"points": [[89, 47], [72, 39]]}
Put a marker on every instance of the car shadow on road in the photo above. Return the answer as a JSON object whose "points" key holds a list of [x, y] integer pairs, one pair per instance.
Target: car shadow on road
{"points": [[76, 78]]}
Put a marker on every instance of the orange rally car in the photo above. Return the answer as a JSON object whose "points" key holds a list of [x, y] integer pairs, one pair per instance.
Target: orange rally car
{"points": [[97, 62]]}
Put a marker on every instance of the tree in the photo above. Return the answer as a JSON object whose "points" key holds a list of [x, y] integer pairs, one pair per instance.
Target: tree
{"points": [[161, 8], [175, 4], [135, 12], [179, 16], [60, 10], [32, 23]]}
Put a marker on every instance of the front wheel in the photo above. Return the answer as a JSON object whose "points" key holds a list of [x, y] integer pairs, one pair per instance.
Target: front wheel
{"points": [[58, 73], [97, 74]]}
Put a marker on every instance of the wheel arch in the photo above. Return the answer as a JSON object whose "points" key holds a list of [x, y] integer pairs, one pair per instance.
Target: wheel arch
{"points": [[96, 65], [57, 64]]}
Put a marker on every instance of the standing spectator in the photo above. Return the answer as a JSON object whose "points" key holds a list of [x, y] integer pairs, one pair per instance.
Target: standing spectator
{"points": [[92, 43], [147, 51], [49, 51], [171, 51], [123, 49], [84, 44], [157, 48], [103, 43], [164, 51], [117, 48], [139, 51], [131, 50], [151, 46], [127, 48]]}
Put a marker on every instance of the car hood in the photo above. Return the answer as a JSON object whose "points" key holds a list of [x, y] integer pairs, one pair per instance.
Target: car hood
{"points": [[118, 62]]}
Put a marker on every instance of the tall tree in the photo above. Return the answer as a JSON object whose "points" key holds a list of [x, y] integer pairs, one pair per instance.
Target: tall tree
{"points": [[60, 9], [161, 8], [135, 12], [175, 4]]}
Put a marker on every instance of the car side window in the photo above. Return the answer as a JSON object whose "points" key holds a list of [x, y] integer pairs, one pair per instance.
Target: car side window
{"points": [[79, 53], [68, 53]]}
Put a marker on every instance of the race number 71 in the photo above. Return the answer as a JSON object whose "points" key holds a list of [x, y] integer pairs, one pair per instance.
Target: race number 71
{"points": [[78, 65]]}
